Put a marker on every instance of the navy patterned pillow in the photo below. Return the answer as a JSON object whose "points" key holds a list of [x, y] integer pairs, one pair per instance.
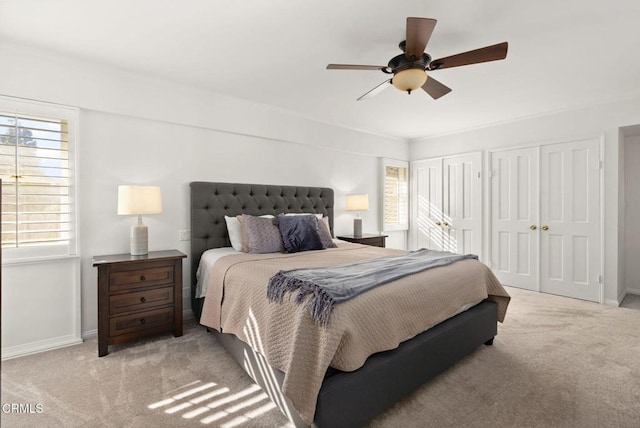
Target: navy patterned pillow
{"points": [[299, 233]]}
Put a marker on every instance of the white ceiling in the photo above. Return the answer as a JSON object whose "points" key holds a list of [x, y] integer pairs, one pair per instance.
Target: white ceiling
{"points": [[562, 54]]}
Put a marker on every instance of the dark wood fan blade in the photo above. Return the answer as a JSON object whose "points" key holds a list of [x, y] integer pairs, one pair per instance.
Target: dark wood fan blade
{"points": [[434, 88], [354, 67], [381, 87], [486, 54], [418, 34]]}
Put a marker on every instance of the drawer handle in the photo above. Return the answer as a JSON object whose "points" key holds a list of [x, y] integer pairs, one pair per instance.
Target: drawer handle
{"points": [[142, 278], [142, 321], [142, 300]]}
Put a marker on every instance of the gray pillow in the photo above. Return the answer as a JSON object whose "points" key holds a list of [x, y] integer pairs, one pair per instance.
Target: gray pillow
{"points": [[263, 235], [325, 233]]}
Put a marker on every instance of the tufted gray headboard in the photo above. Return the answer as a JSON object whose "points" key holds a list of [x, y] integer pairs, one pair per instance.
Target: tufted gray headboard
{"points": [[210, 202]]}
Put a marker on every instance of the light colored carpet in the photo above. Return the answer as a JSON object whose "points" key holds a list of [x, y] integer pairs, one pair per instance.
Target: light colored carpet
{"points": [[556, 362]]}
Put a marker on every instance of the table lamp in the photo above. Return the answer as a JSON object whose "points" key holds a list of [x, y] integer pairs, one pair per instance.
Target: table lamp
{"points": [[138, 200], [357, 203]]}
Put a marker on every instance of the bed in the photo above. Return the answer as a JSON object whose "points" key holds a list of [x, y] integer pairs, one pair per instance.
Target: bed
{"points": [[386, 376]]}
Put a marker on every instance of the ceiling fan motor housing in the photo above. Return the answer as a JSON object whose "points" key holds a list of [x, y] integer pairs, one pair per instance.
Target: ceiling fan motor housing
{"points": [[401, 62]]}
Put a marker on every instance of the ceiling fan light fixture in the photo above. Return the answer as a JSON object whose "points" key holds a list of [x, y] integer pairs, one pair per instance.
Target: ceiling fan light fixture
{"points": [[409, 79]]}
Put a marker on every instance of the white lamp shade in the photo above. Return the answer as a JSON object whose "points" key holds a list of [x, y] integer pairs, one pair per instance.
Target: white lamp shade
{"points": [[136, 200], [409, 79], [358, 202]]}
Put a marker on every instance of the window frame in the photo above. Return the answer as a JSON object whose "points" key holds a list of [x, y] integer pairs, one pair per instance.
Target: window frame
{"points": [[69, 248], [400, 225]]}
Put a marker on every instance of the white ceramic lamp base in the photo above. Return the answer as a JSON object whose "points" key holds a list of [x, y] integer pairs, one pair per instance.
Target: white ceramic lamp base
{"points": [[139, 239]]}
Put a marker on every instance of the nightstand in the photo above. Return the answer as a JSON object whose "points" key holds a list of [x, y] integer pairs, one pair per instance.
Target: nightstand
{"points": [[138, 296], [373, 239]]}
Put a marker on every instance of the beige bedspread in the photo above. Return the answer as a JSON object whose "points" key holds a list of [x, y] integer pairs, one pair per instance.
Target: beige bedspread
{"points": [[377, 320]]}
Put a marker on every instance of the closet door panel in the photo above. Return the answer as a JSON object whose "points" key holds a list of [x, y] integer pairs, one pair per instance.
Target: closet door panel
{"points": [[428, 230], [514, 207], [461, 203], [570, 216]]}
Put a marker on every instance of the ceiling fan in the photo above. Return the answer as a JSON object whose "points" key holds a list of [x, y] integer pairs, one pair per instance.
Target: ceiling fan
{"points": [[409, 69]]}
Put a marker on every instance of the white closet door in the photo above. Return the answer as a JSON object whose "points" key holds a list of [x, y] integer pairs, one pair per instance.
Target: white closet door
{"points": [[427, 204], [514, 217], [446, 204], [461, 208], [570, 219]]}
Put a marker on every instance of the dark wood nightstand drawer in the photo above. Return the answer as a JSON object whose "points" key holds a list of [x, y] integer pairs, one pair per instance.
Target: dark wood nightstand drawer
{"points": [[140, 321], [142, 277], [140, 300], [375, 242]]}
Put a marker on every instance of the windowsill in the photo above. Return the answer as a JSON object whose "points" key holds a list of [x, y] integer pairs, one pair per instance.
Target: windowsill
{"points": [[39, 259]]}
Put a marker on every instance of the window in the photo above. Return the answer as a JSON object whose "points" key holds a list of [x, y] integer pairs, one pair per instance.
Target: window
{"points": [[395, 195], [36, 168]]}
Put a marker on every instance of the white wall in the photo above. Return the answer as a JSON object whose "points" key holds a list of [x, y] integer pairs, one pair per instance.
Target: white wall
{"points": [[596, 121], [40, 312], [120, 150], [632, 213], [140, 130]]}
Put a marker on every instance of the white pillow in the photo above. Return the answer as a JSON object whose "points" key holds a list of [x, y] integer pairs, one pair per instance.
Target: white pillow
{"points": [[235, 232], [318, 216]]}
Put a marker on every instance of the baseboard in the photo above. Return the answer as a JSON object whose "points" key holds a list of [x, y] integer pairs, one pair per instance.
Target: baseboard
{"points": [[40, 346], [635, 291], [90, 334], [613, 302], [59, 342]]}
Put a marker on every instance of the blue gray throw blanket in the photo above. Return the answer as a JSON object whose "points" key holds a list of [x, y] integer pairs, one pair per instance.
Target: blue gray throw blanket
{"points": [[336, 284]]}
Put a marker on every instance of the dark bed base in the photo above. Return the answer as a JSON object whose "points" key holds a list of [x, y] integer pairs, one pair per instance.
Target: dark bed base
{"points": [[351, 399]]}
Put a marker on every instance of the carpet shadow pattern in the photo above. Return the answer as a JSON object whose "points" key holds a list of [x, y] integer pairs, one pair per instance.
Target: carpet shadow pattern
{"points": [[556, 362], [160, 382]]}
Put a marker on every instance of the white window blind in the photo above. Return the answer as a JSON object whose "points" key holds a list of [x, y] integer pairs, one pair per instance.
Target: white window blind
{"points": [[395, 195], [37, 188]]}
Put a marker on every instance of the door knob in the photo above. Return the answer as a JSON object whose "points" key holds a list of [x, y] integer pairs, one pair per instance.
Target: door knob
{"points": [[445, 224], [545, 227], [533, 227], [438, 223]]}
